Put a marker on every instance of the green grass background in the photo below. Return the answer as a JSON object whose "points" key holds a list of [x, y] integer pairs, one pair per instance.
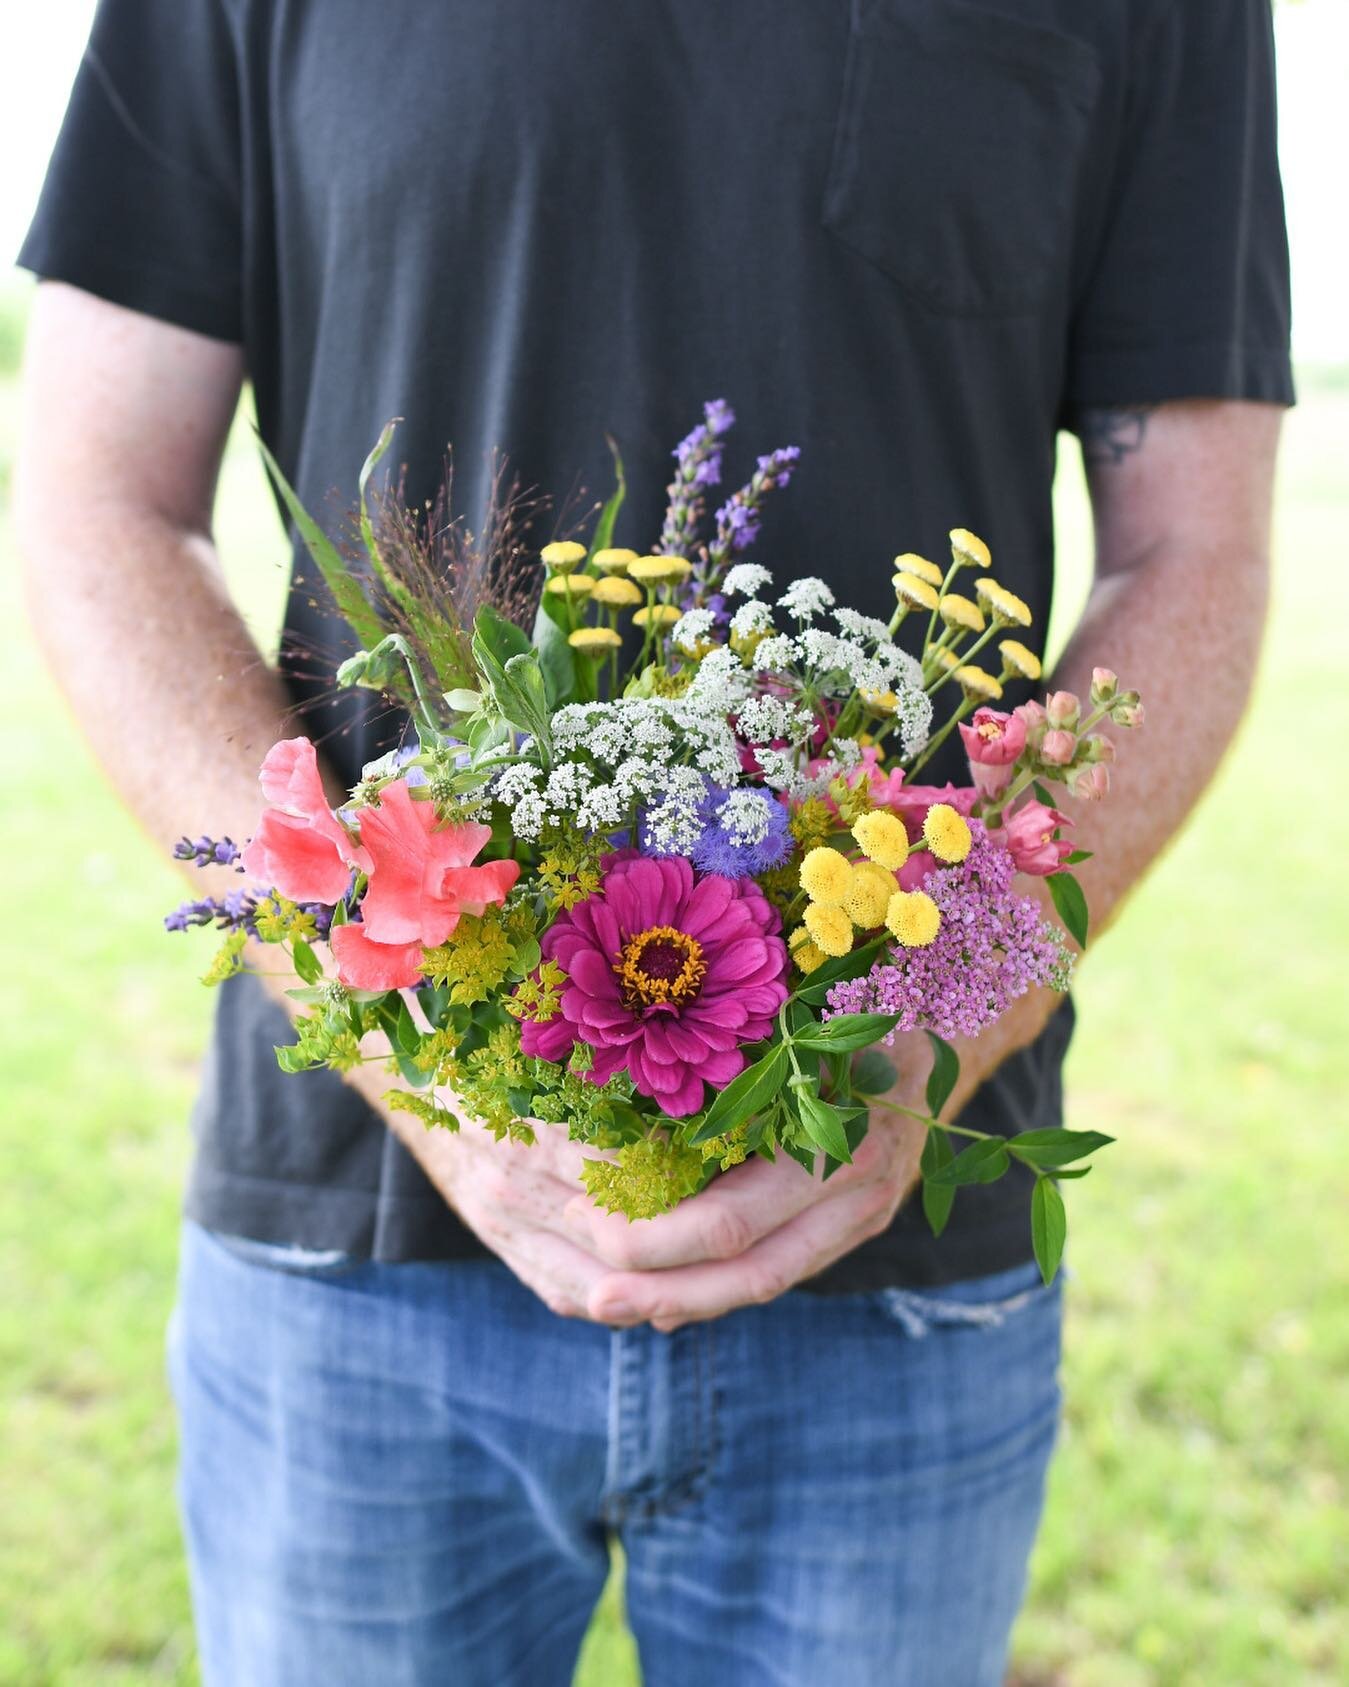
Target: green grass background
{"points": [[1196, 1530]]}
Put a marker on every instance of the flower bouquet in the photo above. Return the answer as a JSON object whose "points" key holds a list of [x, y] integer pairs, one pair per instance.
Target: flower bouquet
{"points": [[659, 870]]}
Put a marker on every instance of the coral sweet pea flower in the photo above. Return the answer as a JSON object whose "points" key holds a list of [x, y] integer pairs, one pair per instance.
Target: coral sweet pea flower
{"points": [[300, 846], [421, 881]]}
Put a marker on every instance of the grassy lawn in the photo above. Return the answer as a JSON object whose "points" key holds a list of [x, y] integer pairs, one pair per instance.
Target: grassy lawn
{"points": [[1195, 1531]]}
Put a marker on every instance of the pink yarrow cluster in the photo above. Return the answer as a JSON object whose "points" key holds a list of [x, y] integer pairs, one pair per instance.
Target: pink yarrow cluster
{"points": [[991, 947]]}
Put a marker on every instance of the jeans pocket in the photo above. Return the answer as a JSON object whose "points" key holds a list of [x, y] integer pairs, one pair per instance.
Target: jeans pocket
{"points": [[284, 1256], [958, 151], [979, 1303]]}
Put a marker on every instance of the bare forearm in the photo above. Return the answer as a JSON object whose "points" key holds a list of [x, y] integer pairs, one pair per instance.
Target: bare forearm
{"points": [[175, 699], [1182, 499]]}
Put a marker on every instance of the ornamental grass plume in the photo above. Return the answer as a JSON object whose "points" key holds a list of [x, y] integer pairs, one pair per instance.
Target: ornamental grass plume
{"points": [[669, 979], [990, 946]]}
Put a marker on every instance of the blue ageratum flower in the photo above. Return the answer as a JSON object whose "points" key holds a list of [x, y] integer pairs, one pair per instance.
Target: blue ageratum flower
{"points": [[745, 832]]}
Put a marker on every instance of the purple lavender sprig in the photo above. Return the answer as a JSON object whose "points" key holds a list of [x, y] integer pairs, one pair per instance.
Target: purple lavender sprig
{"points": [[237, 910], [698, 459], [208, 852], [739, 518]]}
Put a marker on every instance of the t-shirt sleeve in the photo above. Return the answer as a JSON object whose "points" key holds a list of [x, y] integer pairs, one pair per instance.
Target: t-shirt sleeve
{"points": [[1188, 293], [142, 202]]}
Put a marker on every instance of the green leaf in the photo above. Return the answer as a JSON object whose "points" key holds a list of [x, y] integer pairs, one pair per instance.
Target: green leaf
{"points": [[1048, 1226], [1071, 904], [604, 527], [307, 963], [824, 1125], [938, 1199], [561, 670], [804, 1157], [1077, 857], [462, 700], [873, 1074], [942, 1078], [367, 469], [835, 971], [981, 1162], [1040, 794], [744, 1096], [1052, 1148], [1060, 1172], [347, 591], [502, 638], [848, 1031]]}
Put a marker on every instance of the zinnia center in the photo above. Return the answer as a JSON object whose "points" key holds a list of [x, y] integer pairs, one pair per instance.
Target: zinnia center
{"points": [[660, 965]]}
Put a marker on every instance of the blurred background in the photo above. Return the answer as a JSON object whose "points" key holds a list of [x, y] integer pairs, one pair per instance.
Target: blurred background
{"points": [[1196, 1529]]}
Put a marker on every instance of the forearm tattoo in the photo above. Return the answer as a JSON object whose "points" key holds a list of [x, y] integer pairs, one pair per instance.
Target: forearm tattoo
{"points": [[1109, 436]]}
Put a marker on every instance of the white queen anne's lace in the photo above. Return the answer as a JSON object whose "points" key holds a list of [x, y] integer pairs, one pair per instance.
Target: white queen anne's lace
{"points": [[806, 598], [745, 579]]}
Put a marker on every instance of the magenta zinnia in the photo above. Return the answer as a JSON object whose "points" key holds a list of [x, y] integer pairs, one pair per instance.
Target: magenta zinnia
{"points": [[669, 977]]}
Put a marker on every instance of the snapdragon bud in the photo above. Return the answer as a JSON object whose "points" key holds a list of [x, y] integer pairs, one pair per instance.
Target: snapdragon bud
{"points": [[1098, 749], [1033, 717], [1062, 709], [1090, 782], [1104, 685], [1128, 709], [1058, 747]]}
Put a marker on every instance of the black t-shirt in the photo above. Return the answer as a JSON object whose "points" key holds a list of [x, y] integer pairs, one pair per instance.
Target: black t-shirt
{"points": [[910, 236]]}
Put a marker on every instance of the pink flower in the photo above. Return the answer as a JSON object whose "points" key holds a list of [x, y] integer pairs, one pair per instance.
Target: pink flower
{"points": [[1058, 747], [911, 803], [993, 740], [365, 965], [1062, 709], [1033, 717], [1029, 836], [421, 881], [1091, 783], [300, 846], [670, 977], [920, 863]]}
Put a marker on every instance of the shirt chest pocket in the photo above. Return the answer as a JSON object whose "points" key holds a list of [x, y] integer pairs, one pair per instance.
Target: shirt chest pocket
{"points": [[957, 154]]}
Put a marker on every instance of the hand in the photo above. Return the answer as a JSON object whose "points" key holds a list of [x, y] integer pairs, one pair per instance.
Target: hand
{"points": [[751, 1235], [513, 1196]]}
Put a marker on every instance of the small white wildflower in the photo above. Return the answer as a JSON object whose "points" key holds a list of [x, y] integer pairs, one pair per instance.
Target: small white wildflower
{"points": [[693, 628], [745, 579], [913, 713], [512, 783], [751, 617], [569, 784], [862, 626], [745, 816], [721, 683], [528, 817], [603, 809], [775, 654], [806, 598]]}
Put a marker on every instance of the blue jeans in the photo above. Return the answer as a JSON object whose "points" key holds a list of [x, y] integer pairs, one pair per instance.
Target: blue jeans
{"points": [[407, 1475]]}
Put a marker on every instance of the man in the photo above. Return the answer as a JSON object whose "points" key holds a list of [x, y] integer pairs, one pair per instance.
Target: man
{"points": [[911, 236]]}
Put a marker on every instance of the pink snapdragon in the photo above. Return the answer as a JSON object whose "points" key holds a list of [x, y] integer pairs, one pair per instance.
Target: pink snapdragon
{"points": [[993, 741], [1029, 836]]}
